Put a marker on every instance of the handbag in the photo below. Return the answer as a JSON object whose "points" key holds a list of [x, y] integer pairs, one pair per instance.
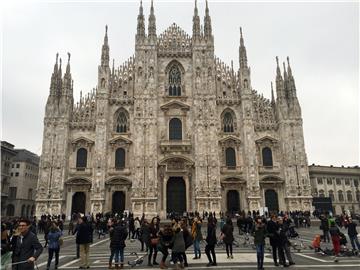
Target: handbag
{"points": [[154, 241]]}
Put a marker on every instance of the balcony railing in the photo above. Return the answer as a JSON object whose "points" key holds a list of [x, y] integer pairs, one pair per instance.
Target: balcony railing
{"points": [[81, 171], [119, 171], [175, 146], [269, 169]]}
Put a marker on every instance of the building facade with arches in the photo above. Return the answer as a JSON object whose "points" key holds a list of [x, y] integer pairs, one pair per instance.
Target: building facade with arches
{"points": [[172, 129]]}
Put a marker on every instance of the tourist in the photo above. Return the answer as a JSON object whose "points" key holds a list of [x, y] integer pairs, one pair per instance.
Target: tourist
{"points": [[284, 247], [144, 234], [54, 245], [178, 247], [83, 239], [324, 226], [211, 242], [352, 232], [187, 239], [153, 241], [273, 233], [334, 232], [118, 235], [166, 235], [259, 234], [197, 236], [27, 247], [228, 237]]}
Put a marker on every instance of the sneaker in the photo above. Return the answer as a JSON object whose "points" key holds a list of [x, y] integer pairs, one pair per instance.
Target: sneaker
{"points": [[195, 258]]}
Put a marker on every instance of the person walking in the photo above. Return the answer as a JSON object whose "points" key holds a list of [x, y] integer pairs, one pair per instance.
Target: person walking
{"points": [[273, 233], [211, 242], [259, 234], [27, 247], [324, 226], [118, 235], [284, 244], [83, 239], [178, 247], [228, 237], [352, 232], [152, 241], [137, 227], [334, 232], [166, 236], [54, 245], [188, 240], [197, 236]]}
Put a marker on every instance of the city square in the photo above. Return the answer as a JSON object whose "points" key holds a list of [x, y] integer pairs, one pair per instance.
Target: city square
{"points": [[198, 122]]}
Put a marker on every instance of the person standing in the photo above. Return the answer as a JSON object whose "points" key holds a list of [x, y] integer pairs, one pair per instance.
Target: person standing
{"points": [[197, 236], [26, 248], [166, 235], [324, 226], [54, 245], [83, 239], [228, 232], [211, 242], [334, 232], [179, 246], [352, 232], [118, 236], [273, 233], [153, 241], [259, 234]]}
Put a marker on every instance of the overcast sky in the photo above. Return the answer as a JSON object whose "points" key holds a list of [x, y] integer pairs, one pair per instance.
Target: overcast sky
{"points": [[321, 39]]}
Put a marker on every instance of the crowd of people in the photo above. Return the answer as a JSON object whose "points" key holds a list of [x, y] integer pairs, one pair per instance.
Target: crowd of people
{"points": [[19, 236]]}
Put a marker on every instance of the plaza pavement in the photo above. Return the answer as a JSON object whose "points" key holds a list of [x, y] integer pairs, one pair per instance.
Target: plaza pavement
{"points": [[244, 256]]}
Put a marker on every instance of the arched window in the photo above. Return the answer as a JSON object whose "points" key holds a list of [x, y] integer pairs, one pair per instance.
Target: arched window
{"points": [[175, 129], [230, 158], [267, 157], [321, 193], [331, 195], [121, 123], [358, 196], [340, 196], [228, 122], [23, 211], [349, 196], [119, 159], [10, 210], [81, 159], [174, 81]]}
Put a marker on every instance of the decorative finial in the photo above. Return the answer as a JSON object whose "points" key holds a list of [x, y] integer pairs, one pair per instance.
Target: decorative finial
{"points": [[106, 29], [288, 60], [241, 32], [60, 62], [68, 57], [57, 56], [277, 61]]}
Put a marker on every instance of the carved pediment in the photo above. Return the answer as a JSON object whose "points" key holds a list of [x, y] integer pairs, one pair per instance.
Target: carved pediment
{"points": [[175, 104], [119, 141], [176, 159], [82, 142], [267, 138], [232, 180], [231, 139], [118, 181], [78, 181]]}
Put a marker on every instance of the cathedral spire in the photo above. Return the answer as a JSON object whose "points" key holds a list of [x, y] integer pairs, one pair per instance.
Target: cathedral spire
{"points": [[279, 82], [105, 50], [59, 80], [67, 76], [196, 22], [54, 76], [272, 94], [207, 23], [152, 22], [140, 34], [242, 52], [291, 79]]}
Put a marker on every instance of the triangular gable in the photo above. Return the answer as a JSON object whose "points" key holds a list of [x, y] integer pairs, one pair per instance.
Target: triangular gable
{"points": [[230, 138], [86, 140], [267, 138], [175, 104], [120, 139]]}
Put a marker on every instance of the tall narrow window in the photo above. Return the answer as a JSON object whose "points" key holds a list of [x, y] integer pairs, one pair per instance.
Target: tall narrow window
{"points": [[349, 196], [174, 81], [341, 196], [230, 158], [267, 157], [121, 123], [119, 159], [228, 122], [175, 129], [331, 195], [81, 159]]}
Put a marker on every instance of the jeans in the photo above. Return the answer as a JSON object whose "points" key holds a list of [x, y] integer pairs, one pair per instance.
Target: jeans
{"points": [[117, 252], [228, 249], [260, 255], [288, 253], [354, 240], [152, 249], [51, 254], [326, 236], [197, 250]]}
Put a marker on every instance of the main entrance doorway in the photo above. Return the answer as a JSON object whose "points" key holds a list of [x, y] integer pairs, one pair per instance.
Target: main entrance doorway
{"points": [[78, 203], [271, 200], [118, 202], [233, 201], [176, 195]]}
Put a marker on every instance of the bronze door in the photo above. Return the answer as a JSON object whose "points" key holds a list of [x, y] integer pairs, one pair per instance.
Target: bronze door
{"points": [[78, 203], [118, 202], [176, 195]]}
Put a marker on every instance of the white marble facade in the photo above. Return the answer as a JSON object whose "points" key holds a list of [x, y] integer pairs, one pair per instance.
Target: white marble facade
{"points": [[224, 130]]}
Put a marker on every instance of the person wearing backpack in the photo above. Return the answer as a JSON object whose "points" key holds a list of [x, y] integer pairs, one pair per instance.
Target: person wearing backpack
{"points": [[55, 241]]}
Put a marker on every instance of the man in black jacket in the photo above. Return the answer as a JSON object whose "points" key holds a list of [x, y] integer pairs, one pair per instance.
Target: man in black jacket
{"points": [[83, 239], [352, 232], [211, 242], [27, 247], [273, 232]]}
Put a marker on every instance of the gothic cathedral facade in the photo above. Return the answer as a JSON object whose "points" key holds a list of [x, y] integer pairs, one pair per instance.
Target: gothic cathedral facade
{"points": [[173, 129]]}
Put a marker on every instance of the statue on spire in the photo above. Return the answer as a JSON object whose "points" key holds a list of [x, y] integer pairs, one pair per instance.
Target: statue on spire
{"points": [[152, 22], [196, 22]]}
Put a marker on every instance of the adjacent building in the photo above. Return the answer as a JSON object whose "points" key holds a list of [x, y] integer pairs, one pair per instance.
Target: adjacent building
{"points": [[7, 155], [340, 184], [173, 129]]}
